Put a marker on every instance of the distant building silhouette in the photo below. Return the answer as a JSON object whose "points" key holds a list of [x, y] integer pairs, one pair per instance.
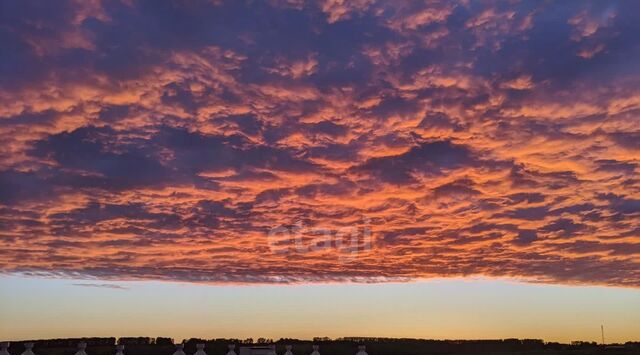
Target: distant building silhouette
{"points": [[258, 350]]}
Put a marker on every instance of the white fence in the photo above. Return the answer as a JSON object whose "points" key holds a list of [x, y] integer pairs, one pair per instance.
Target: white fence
{"points": [[200, 350]]}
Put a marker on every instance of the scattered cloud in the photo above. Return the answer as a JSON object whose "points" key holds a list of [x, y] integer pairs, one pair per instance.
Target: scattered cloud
{"points": [[107, 286]]}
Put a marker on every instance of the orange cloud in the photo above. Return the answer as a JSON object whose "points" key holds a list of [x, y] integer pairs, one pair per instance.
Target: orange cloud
{"points": [[347, 141]]}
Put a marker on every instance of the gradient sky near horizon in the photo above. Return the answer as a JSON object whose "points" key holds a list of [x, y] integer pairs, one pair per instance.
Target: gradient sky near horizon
{"points": [[243, 145], [435, 309]]}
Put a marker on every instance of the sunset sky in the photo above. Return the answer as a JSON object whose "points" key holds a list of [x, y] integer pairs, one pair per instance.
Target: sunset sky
{"points": [[290, 168]]}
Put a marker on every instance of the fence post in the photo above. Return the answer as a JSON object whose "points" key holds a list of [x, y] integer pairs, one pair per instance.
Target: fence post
{"points": [[200, 349], [3, 348], [289, 352], [120, 349], [81, 348], [315, 349], [179, 349], [27, 349]]}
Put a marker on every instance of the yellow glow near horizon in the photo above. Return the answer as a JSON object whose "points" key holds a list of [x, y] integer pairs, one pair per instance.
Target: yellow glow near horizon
{"points": [[439, 309]]}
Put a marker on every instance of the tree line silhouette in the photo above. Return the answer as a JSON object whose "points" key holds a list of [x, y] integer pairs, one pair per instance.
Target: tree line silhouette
{"points": [[328, 346]]}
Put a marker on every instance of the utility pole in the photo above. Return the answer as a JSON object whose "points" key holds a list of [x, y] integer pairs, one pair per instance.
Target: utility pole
{"points": [[602, 331]]}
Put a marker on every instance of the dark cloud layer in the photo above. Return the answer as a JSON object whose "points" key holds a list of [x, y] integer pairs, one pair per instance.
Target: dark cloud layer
{"points": [[393, 140]]}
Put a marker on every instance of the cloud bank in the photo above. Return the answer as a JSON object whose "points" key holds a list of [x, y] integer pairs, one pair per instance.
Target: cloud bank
{"points": [[165, 140]]}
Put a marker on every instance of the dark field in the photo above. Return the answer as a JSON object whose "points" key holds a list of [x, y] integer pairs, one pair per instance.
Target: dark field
{"points": [[346, 346]]}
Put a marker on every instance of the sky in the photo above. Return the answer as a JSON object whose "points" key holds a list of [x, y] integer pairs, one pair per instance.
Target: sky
{"points": [[434, 309], [289, 146]]}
